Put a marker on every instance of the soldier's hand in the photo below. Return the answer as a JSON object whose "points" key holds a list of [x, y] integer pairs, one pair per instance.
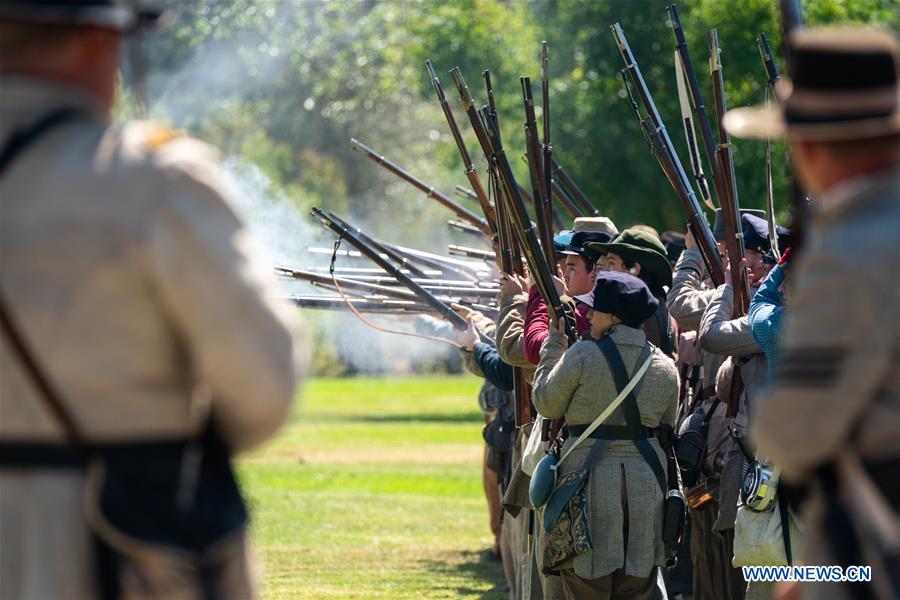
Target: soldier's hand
{"points": [[559, 283], [463, 311], [468, 338], [560, 326], [727, 264], [510, 284], [689, 240]]}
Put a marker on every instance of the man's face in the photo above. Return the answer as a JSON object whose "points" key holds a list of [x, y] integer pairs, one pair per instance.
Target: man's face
{"points": [[614, 263], [577, 277], [602, 264], [757, 269]]}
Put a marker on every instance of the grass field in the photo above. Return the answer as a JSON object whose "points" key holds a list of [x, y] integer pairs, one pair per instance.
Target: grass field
{"points": [[373, 490]]}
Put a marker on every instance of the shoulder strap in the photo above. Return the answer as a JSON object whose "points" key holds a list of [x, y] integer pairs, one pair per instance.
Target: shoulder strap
{"points": [[26, 135], [46, 391], [630, 408], [639, 374]]}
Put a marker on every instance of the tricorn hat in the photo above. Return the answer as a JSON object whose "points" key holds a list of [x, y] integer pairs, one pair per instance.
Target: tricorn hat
{"points": [[118, 15], [844, 86], [642, 248]]}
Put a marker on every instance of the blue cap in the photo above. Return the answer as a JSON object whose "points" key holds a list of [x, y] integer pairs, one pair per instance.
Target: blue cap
{"points": [[562, 239], [756, 234]]}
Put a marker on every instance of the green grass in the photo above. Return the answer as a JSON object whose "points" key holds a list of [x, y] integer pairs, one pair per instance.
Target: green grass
{"points": [[373, 490]]}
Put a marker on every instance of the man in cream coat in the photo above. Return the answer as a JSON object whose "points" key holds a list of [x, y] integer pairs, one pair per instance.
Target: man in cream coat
{"points": [[130, 278]]}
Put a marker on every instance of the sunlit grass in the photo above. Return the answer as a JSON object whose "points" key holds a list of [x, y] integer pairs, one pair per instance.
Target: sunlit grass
{"points": [[373, 490]]}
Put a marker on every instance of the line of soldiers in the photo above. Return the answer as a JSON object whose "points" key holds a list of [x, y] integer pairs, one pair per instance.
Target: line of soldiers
{"points": [[788, 436]]}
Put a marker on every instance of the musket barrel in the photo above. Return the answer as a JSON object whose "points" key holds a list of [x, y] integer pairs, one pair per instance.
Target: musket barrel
{"points": [[426, 296], [460, 211]]}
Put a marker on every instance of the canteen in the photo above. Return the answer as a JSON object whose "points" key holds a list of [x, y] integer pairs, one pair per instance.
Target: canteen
{"points": [[543, 480]]}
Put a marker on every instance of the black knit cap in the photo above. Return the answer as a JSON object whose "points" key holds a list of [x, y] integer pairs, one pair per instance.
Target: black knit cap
{"points": [[624, 296]]}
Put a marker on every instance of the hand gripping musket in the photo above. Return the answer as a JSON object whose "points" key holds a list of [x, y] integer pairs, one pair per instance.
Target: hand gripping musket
{"points": [[734, 236], [771, 77], [471, 174], [658, 138], [421, 293], [460, 211], [542, 208], [696, 99]]}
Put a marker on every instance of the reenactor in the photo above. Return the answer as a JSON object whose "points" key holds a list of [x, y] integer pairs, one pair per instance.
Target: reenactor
{"points": [[142, 344], [832, 416]]}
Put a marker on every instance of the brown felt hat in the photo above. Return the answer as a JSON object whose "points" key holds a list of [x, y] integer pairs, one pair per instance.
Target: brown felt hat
{"points": [[844, 87]]}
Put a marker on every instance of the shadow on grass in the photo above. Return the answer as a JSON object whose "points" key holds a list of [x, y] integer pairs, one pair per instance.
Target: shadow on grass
{"points": [[473, 569], [468, 417]]}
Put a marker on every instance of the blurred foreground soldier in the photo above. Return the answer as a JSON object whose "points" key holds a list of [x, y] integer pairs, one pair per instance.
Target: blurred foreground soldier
{"points": [[127, 277], [833, 416]]}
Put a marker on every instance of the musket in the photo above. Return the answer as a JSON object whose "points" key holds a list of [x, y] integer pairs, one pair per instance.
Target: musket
{"points": [[571, 188], [690, 133], [728, 201], [545, 115], [460, 211], [382, 248], [658, 138], [559, 193], [791, 20], [542, 208], [318, 280], [470, 252], [772, 76], [360, 304], [463, 227], [509, 255], [378, 276], [470, 172], [468, 270], [524, 231], [424, 295], [489, 91], [465, 193], [694, 88]]}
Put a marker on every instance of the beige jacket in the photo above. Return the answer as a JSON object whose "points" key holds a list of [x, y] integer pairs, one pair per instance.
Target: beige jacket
{"points": [[837, 385], [134, 283], [577, 383]]}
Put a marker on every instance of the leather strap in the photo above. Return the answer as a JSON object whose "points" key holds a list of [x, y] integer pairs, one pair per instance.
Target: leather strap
{"points": [[630, 408]]}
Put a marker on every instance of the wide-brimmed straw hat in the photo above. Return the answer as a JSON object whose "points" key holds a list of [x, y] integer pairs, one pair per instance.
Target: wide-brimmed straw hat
{"points": [[844, 87], [118, 15]]}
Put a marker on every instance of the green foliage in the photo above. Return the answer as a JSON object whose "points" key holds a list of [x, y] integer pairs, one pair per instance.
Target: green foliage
{"points": [[285, 84]]}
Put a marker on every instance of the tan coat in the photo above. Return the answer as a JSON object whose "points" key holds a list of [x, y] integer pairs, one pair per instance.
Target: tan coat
{"points": [[724, 335], [510, 330], [577, 383], [133, 281], [687, 302]]}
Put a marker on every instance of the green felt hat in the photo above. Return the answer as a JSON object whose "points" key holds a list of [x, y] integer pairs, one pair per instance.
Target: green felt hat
{"points": [[642, 248]]}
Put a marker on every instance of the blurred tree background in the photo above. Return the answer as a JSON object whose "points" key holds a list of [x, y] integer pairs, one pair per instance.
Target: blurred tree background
{"points": [[284, 84]]}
